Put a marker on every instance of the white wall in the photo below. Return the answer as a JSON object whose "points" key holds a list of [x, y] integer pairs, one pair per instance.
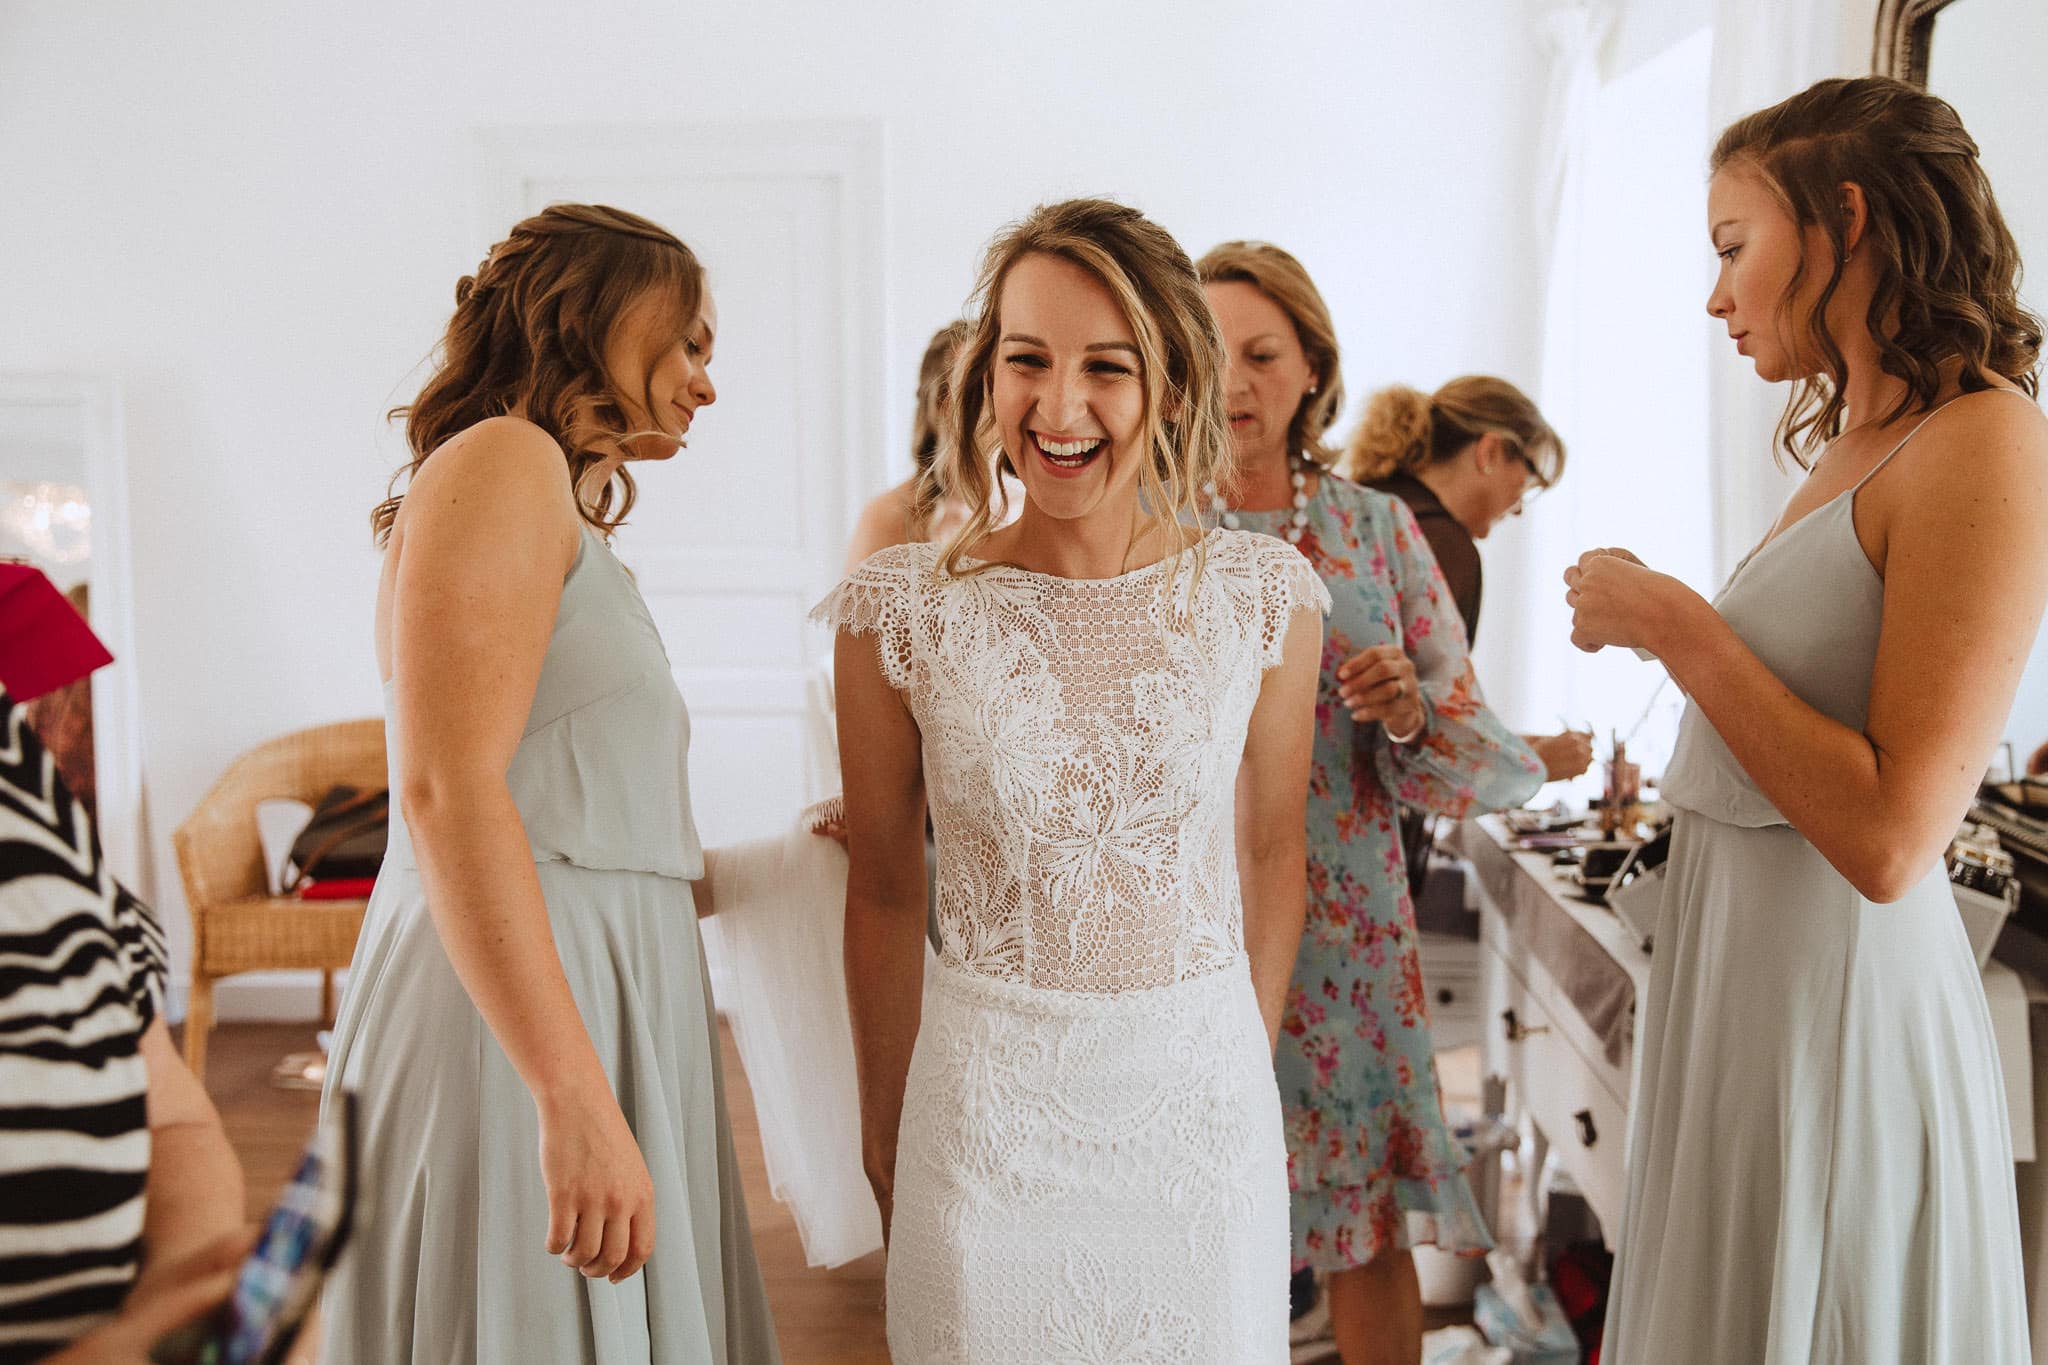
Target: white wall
{"points": [[254, 214]]}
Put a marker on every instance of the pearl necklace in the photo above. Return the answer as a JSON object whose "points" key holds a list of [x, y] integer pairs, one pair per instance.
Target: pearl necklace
{"points": [[1296, 524]]}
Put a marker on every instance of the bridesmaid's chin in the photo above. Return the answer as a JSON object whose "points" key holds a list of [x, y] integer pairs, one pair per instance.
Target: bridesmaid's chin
{"points": [[654, 448]]}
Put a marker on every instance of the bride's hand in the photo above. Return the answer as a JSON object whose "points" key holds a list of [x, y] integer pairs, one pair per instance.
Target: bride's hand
{"points": [[881, 1173]]}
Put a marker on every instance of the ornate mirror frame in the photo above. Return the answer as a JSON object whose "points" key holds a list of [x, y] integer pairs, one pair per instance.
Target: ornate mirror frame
{"points": [[1905, 31]]}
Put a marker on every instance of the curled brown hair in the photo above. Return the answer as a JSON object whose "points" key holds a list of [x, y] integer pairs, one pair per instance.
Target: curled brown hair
{"points": [[1405, 430], [529, 334], [928, 425], [1283, 279], [1948, 268], [934, 389], [1180, 365]]}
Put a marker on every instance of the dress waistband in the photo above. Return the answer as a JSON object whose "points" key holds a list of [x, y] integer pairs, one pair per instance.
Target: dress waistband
{"points": [[408, 864], [1217, 985]]}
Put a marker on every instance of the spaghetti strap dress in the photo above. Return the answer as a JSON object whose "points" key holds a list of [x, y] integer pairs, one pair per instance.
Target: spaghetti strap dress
{"points": [[1821, 1171]]}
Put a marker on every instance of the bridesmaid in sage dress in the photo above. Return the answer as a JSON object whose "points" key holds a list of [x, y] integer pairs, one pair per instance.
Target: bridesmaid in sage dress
{"points": [[546, 1168], [1820, 1159]]}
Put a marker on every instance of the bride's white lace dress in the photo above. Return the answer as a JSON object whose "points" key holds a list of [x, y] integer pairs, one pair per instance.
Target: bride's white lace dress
{"points": [[1091, 1164]]}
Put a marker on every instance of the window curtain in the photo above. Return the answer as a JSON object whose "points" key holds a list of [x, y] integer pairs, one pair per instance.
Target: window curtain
{"points": [[1523, 654], [1764, 51]]}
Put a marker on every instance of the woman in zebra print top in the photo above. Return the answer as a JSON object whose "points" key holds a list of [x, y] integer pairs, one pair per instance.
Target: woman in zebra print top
{"points": [[120, 1199]]}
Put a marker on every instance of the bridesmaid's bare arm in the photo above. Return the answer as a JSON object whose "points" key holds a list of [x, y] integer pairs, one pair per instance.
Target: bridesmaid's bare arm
{"points": [[487, 533]]}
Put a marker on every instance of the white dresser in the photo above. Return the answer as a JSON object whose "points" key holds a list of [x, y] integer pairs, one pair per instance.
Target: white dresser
{"points": [[1559, 982]]}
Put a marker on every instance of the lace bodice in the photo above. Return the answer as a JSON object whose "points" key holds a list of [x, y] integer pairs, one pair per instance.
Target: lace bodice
{"points": [[1081, 746]]}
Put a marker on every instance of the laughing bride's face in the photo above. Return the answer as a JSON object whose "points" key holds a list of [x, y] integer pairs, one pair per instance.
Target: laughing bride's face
{"points": [[1067, 391]]}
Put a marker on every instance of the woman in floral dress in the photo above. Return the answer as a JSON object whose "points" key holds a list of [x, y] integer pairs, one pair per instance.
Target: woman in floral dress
{"points": [[1399, 719]]}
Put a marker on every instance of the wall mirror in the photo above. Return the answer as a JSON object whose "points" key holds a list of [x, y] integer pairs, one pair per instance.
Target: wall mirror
{"points": [[63, 508]]}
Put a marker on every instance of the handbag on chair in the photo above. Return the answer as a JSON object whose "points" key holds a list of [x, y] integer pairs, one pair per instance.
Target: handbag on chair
{"points": [[344, 841]]}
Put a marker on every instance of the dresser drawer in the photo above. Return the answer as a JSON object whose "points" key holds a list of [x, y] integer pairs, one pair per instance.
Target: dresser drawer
{"points": [[1561, 1092], [1451, 978], [1457, 1008]]}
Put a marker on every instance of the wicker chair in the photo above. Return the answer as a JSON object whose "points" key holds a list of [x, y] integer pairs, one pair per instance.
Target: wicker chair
{"points": [[237, 926]]}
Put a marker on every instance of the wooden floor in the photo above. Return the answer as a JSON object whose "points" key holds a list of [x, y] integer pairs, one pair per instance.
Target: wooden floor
{"points": [[823, 1317]]}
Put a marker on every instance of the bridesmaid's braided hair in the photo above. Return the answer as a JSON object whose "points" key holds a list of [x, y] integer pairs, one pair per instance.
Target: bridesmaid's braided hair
{"points": [[529, 332], [1949, 270]]}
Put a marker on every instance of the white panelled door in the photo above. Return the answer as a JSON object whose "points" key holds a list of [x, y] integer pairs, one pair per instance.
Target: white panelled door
{"points": [[734, 539]]}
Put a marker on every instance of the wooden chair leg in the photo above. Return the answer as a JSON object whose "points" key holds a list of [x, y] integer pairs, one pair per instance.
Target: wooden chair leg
{"points": [[327, 999], [198, 1023]]}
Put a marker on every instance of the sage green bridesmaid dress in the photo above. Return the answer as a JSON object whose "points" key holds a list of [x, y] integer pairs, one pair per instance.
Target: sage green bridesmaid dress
{"points": [[447, 1262], [1820, 1160]]}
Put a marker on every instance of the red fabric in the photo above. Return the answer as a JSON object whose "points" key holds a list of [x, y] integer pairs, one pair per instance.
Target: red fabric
{"points": [[337, 889], [44, 642], [1579, 1276]]}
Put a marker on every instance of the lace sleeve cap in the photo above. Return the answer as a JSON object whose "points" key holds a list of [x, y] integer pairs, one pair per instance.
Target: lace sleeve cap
{"points": [[877, 599], [1288, 585], [1300, 588]]}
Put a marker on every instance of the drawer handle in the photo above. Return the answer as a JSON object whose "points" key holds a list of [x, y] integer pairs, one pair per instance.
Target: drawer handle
{"points": [[1446, 996], [1517, 1030], [1588, 1134]]}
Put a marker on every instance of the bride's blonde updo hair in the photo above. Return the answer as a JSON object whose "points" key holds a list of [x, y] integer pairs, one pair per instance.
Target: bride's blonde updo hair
{"points": [[1405, 430], [1285, 280], [1180, 351], [529, 332]]}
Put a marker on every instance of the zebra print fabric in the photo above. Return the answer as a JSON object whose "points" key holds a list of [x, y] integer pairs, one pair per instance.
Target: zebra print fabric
{"points": [[81, 977]]}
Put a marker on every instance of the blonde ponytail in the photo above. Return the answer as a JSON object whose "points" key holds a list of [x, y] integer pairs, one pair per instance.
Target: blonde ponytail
{"points": [[1404, 430], [1394, 437]]}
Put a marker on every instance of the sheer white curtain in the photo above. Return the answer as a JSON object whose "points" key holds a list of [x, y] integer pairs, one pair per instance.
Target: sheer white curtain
{"points": [[1669, 430], [1522, 659], [1764, 51], [1623, 377]]}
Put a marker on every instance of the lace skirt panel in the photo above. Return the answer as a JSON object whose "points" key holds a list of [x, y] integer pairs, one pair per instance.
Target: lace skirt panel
{"points": [[1089, 1177]]}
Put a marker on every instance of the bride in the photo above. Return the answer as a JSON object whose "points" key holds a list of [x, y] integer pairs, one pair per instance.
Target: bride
{"points": [[1072, 1127]]}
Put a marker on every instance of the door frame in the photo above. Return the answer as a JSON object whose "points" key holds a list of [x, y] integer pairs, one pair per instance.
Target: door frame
{"points": [[849, 158], [851, 154]]}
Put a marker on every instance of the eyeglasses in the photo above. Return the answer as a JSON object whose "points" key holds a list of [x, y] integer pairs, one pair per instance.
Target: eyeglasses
{"points": [[1536, 479]]}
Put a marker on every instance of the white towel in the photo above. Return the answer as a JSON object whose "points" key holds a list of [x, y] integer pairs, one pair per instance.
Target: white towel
{"points": [[778, 923]]}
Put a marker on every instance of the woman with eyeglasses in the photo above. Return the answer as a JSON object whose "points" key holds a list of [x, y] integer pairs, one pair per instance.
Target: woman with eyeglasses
{"points": [[1463, 459]]}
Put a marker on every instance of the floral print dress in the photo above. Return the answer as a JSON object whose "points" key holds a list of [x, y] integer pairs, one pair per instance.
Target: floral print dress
{"points": [[1370, 1161]]}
